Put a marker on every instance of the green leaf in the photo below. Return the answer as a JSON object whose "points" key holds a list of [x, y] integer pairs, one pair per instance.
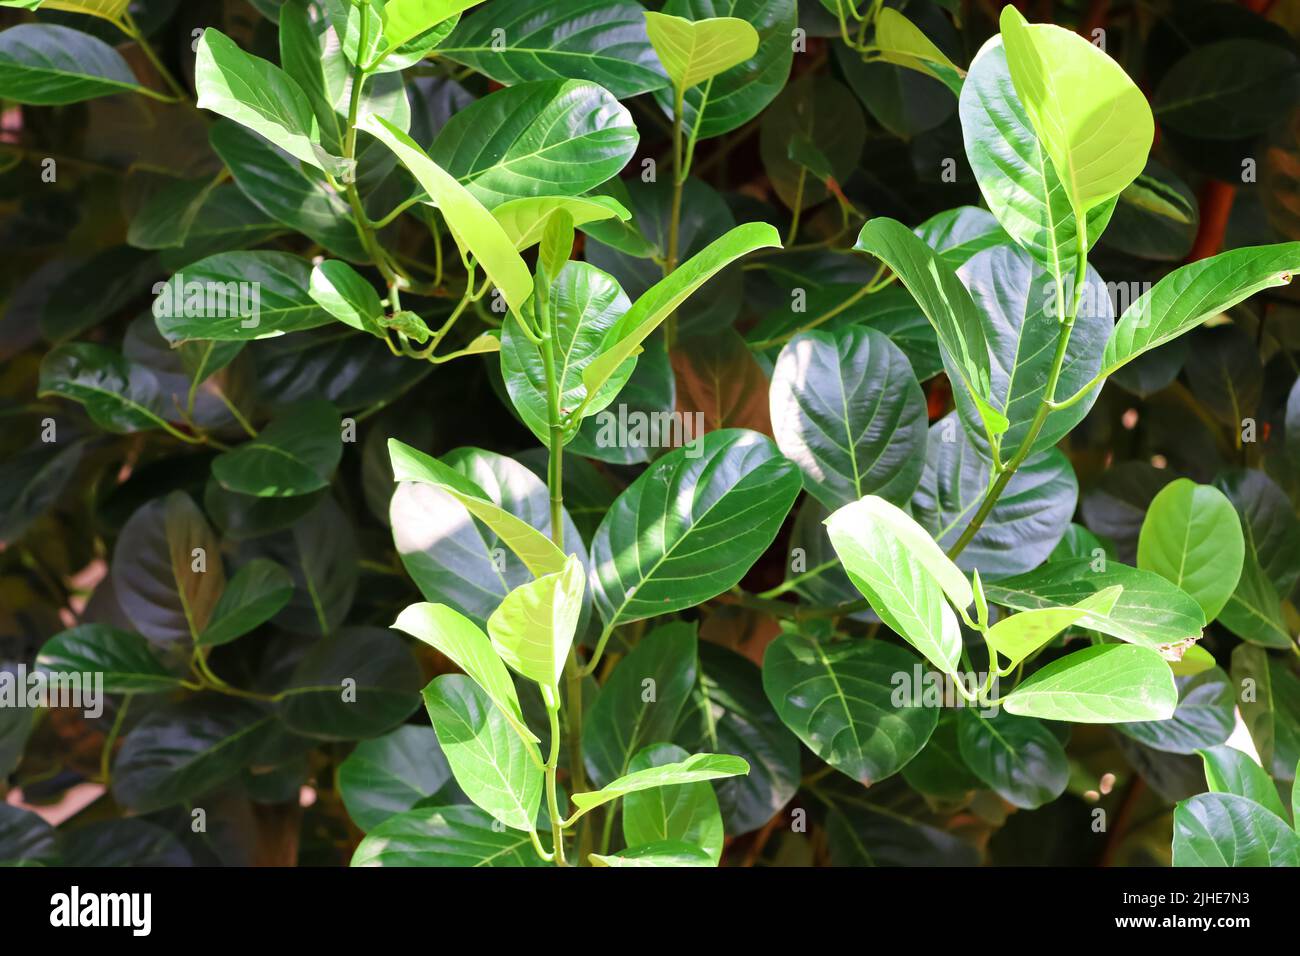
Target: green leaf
{"points": [[1192, 537], [295, 454], [104, 9], [843, 701], [1028, 519], [584, 305], [663, 298], [1018, 304], [629, 714], [42, 64], [1271, 561], [535, 549], [1017, 636], [904, 574], [1103, 684], [182, 751], [958, 234], [661, 853], [1017, 757], [1150, 612], [524, 219], [686, 814], [167, 573], [459, 639], [694, 51], [1013, 170], [693, 769], [258, 94], [814, 121], [597, 40], [533, 628], [938, 770], [489, 760], [472, 226], [1189, 295], [1223, 829], [404, 20], [341, 291], [902, 43], [355, 683], [237, 296], [728, 712], [164, 219], [1269, 702], [848, 411], [257, 592], [1228, 770], [391, 774], [734, 96], [445, 836], [25, 838], [554, 137], [118, 395], [691, 525], [947, 305], [125, 659], [1091, 119]]}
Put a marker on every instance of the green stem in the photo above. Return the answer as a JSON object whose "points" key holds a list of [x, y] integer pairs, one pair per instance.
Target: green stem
{"points": [[675, 214], [552, 799], [128, 26], [106, 755]]}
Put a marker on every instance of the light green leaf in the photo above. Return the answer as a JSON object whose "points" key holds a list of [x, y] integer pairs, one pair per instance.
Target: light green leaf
{"points": [[445, 836], [662, 853], [1189, 295], [473, 226], [489, 760], [847, 409], [535, 549], [693, 769], [1192, 537], [1223, 829], [457, 637], [1017, 636], [43, 64], [125, 660], [947, 305], [524, 219], [663, 298], [904, 574], [1103, 684], [341, 291], [691, 525], [104, 9], [694, 51], [295, 454], [533, 628], [687, 813], [1228, 770], [901, 42], [404, 20], [1092, 119], [391, 774], [843, 701], [253, 596]]}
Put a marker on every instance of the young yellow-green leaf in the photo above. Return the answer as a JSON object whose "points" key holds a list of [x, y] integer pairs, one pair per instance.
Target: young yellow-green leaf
{"points": [[1228, 770], [488, 759], [524, 219], [258, 94], [457, 637], [43, 64], [1192, 537], [901, 42], [404, 20], [533, 628], [1090, 117], [660, 853], [1195, 292], [253, 596], [472, 225], [691, 770], [538, 553], [1103, 684], [126, 661], [946, 303], [105, 9], [1018, 636], [342, 292], [663, 298], [692, 51], [687, 813]]}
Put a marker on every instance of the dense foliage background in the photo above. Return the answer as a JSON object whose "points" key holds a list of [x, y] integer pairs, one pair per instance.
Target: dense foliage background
{"points": [[121, 432]]}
